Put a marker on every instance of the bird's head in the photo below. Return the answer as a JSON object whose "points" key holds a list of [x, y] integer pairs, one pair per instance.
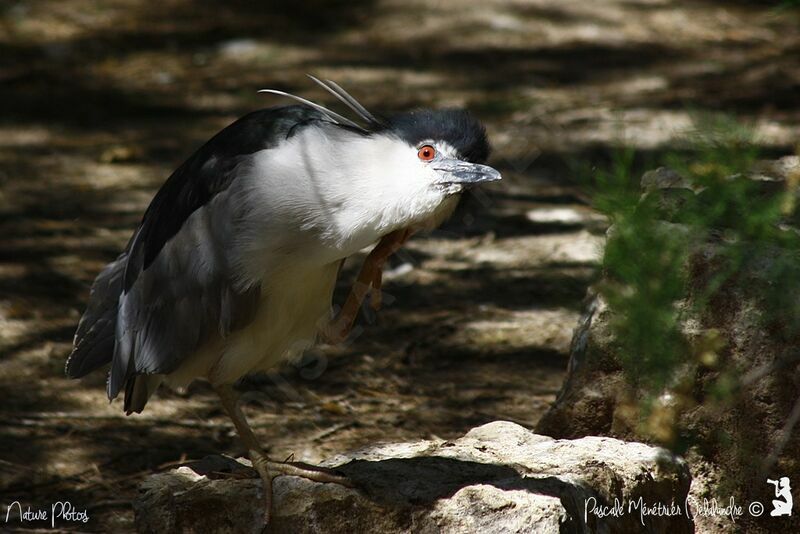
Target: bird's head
{"points": [[447, 148], [382, 174]]}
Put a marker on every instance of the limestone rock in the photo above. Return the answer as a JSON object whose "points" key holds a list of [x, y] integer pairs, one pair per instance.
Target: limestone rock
{"points": [[499, 477]]}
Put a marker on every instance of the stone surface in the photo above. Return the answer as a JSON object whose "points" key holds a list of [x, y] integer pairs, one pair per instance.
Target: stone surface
{"points": [[499, 477], [588, 399], [729, 441]]}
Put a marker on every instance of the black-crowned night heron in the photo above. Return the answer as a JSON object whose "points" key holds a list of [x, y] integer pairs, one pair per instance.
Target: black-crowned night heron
{"points": [[233, 266]]}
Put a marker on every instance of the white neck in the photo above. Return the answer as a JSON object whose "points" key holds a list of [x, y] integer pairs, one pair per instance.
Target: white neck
{"points": [[337, 191]]}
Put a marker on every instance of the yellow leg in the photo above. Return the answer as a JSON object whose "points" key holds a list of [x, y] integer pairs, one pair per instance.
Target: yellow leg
{"points": [[261, 463]]}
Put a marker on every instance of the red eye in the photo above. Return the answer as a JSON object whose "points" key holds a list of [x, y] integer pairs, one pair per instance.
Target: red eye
{"points": [[426, 153]]}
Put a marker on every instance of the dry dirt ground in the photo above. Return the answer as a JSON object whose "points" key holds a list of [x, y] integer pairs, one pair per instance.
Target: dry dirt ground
{"points": [[100, 100]]}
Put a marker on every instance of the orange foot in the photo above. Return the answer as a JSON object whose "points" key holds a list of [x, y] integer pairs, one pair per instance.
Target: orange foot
{"points": [[369, 281]]}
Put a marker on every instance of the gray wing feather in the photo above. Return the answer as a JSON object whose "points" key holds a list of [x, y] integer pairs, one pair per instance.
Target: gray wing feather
{"points": [[185, 296], [94, 339]]}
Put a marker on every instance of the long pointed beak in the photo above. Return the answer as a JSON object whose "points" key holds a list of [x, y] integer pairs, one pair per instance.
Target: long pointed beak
{"points": [[456, 171]]}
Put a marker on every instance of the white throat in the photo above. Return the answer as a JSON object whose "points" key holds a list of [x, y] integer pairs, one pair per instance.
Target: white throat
{"points": [[341, 191]]}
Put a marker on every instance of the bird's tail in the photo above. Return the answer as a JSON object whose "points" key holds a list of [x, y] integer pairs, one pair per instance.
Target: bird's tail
{"points": [[138, 389], [93, 346]]}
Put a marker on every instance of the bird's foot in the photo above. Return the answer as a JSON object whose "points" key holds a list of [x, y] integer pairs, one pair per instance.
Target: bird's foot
{"points": [[338, 329], [311, 472], [268, 469], [368, 282], [261, 465]]}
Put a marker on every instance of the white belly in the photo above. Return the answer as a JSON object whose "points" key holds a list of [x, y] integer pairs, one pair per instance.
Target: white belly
{"points": [[294, 305]]}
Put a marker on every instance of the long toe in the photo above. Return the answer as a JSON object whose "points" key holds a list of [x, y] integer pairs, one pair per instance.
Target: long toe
{"points": [[311, 472], [262, 466]]}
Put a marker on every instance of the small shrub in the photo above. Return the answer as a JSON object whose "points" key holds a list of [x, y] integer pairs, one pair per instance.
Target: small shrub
{"points": [[649, 246]]}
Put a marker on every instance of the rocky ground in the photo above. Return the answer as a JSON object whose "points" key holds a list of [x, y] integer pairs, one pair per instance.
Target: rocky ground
{"points": [[99, 101], [499, 477]]}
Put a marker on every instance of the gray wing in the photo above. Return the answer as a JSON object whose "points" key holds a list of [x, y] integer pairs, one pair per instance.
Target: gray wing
{"points": [[173, 287], [94, 339], [186, 295]]}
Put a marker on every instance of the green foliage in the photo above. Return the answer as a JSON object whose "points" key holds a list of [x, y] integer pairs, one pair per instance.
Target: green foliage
{"points": [[788, 4], [749, 217], [644, 278], [648, 249]]}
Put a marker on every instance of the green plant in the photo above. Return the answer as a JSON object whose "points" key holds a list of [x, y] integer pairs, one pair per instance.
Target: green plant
{"points": [[644, 280], [649, 246]]}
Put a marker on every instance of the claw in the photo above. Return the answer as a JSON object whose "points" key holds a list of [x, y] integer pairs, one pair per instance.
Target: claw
{"points": [[261, 464]]}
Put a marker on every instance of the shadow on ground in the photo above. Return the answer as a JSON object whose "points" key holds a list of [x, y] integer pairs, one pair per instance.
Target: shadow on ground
{"points": [[99, 103]]}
